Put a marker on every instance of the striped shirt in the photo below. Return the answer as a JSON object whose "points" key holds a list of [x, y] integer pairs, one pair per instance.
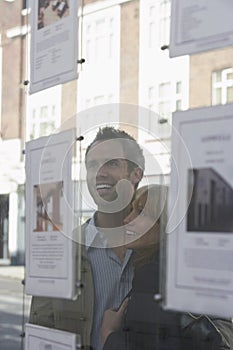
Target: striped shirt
{"points": [[112, 279]]}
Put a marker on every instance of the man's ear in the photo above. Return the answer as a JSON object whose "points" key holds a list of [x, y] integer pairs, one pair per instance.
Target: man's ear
{"points": [[136, 175]]}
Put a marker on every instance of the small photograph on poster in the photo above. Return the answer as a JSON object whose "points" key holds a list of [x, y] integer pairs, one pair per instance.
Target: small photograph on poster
{"points": [[48, 201], [50, 12], [211, 205]]}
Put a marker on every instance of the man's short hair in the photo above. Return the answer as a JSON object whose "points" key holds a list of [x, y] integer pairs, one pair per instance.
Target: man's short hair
{"points": [[132, 151]]}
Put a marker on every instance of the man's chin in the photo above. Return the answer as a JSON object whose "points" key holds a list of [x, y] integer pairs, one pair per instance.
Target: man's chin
{"points": [[108, 204], [105, 202], [104, 198]]}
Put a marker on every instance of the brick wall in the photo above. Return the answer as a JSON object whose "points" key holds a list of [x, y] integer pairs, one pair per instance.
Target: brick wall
{"points": [[129, 61], [69, 100], [13, 51]]}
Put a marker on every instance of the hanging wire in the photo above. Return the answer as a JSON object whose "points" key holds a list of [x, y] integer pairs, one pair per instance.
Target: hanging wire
{"points": [[22, 335], [80, 35], [25, 85]]}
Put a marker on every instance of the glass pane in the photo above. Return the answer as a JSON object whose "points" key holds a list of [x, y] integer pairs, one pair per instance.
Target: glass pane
{"points": [[53, 110], [44, 112], [46, 128], [111, 25], [230, 75], [165, 108], [178, 105], [217, 76], [100, 26], [88, 49], [111, 45], [151, 93], [88, 29], [34, 114], [217, 96], [163, 2], [178, 87], [33, 131], [100, 47], [151, 36], [230, 94], [166, 30], [164, 90], [98, 100], [152, 11]]}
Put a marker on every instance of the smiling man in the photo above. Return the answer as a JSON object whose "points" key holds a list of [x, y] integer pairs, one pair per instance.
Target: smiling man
{"points": [[115, 165], [106, 166]]}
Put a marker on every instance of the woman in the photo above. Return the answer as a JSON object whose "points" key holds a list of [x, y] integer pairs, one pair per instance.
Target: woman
{"points": [[140, 323], [146, 325]]}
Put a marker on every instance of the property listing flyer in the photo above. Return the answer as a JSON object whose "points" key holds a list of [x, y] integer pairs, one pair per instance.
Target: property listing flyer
{"points": [[199, 275], [54, 43], [50, 250], [42, 338], [198, 26]]}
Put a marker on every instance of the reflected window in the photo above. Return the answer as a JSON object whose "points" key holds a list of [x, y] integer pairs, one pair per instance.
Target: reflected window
{"points": [[165, 101], [222, 86], [43, 113], [44, 121], [164, 22]]}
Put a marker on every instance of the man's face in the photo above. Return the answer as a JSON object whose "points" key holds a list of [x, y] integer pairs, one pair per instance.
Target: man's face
{"points": [[106, 166]]}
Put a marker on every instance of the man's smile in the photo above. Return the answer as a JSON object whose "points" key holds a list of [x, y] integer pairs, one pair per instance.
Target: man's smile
{"points": [[105, 189], [103, 186]]}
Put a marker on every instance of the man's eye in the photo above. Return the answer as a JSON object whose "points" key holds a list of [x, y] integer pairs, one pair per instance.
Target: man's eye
{"points": [[112, 163]]}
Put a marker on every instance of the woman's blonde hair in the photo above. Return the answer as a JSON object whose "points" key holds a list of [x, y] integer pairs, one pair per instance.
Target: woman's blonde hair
{"points": [[154, 200]]}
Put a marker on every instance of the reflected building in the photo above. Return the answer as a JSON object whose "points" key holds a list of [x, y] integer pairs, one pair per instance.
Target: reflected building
{"points": [[211, 205]]}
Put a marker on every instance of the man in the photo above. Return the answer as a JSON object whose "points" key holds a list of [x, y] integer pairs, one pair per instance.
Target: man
{"points": [[115, 165]]}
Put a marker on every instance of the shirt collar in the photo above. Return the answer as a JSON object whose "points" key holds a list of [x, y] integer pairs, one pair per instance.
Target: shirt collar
{"points": [[91, 233], [94, 238]]}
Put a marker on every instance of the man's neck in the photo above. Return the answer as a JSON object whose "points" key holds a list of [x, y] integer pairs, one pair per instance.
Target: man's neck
{"points": [[111, 220], [114, 220]]}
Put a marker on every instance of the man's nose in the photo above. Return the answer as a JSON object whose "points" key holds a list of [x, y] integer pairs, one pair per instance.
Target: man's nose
{"points": [[102, 171]]}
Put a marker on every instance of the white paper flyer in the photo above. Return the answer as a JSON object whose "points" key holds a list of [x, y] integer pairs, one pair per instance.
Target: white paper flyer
{"points": [[200, 235], [198, 26], [42, 338], [50, 250], [54, 43]]}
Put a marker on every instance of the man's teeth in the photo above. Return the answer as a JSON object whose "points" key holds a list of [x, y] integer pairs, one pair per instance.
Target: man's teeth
{"points": [[103, 186]]}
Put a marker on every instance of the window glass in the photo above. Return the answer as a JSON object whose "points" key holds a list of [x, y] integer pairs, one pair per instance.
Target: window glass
{"points": [[222, 85]]}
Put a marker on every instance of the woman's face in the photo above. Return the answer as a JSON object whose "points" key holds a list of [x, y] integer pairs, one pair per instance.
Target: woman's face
{"points": [[141, 230]]}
